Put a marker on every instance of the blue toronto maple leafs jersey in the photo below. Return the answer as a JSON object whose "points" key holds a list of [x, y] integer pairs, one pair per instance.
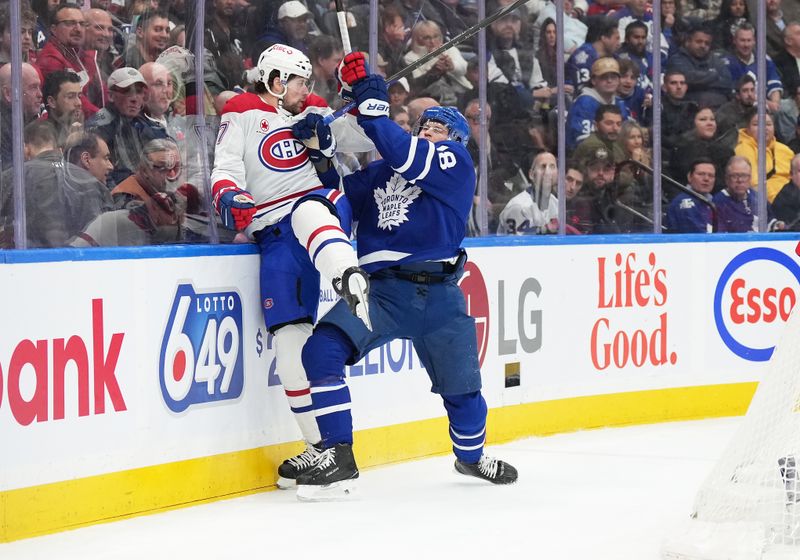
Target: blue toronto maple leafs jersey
{"points": [[413, 204]]}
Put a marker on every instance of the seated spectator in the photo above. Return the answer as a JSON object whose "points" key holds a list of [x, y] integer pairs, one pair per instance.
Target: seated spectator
{"points": [[634, 48], [732, 14], [677, 114], [398, 93], [325, 54], [778, 156], [99, 37], [60, 199], [742, 61], [631, 93], [787, 60], [123, 125], [786, 205], [27, 28], [64, 50], [574, 29], [400, 116], [703, 141], [89, 152], [392, 37], [291, 28], [707, 76], [592, 210], [632, 140], [686, 214], [786, 117], [417, 106], [700, 9], [737, 204], [581, 118], [673, 25], [159, 92], [62, 97], [535, 210], [602, 40], [442, 78], [224, 41], [152, 37], [778, 18], [734, 113], [31, 105], [607, 124]]}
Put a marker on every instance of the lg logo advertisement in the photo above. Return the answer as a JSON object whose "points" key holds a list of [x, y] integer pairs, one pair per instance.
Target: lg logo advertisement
{"points": [[754, 296], [202, 358]]}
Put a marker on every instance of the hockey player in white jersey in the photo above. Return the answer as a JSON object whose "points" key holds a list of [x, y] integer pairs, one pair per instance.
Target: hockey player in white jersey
{"points": [[265, 184], [534, 210]]}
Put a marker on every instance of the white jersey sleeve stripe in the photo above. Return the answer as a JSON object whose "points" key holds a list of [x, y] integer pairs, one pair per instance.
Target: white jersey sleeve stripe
{"points": [[428, 161], [412, 152]]}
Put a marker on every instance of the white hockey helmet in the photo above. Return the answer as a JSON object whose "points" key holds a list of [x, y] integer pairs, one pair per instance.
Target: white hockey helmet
{"points": [[288, 61]]}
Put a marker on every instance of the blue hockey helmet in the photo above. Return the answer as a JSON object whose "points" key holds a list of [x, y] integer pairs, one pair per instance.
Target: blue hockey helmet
{"points": [[450, 117]]}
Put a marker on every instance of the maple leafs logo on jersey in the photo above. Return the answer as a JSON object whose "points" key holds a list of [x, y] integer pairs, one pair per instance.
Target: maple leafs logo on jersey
{"points": [[581, 57], [393, 201]]}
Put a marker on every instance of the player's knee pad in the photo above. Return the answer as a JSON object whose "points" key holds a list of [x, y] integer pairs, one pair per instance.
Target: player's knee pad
{"points": [[324, 206], [289, 342], [325, 354]]}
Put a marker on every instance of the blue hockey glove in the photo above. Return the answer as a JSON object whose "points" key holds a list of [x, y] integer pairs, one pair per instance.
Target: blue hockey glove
{"points": [[372, 97], [236, 207], [313, 124]]}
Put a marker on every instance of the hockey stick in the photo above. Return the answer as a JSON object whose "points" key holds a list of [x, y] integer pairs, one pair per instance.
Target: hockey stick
{"points": [[341, 15], [458, 39]]}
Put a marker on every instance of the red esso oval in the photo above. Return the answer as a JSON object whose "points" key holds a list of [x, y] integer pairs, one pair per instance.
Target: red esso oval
{"points": [[754, 304], [281, 151], [474, 289]]}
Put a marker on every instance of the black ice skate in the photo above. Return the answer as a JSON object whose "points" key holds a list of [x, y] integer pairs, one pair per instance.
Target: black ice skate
{"points": [[353, 287], [293, 467], [331, 477], [489, 468]]}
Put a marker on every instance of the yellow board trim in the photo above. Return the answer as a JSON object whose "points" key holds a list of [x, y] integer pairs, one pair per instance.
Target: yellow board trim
{"points": [[49, 508]]}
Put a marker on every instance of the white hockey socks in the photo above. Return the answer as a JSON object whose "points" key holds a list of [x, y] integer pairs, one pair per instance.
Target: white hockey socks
{"points": [[289, 341], [321, 234]]}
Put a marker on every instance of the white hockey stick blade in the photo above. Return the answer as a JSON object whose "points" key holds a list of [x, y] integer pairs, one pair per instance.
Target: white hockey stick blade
{"points": [[334, 492]]}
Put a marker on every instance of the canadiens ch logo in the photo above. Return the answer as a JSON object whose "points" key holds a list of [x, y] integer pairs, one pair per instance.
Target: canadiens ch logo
{"points": [[394, 200], [280, 151]]}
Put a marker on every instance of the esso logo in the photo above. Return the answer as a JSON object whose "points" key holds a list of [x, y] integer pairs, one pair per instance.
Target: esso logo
{"points": [[474, 288], [754, 297], [201, 358], [281, 151]]}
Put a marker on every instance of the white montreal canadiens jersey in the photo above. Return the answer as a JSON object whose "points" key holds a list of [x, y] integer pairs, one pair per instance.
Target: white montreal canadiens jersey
{"points": [[256, 151]]}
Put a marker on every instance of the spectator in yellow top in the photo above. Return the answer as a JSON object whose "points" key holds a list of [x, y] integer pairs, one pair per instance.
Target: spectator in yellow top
{"points": [[778, 156]]}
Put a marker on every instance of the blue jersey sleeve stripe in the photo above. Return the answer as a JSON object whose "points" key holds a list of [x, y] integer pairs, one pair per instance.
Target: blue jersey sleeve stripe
{"points": [[428, 161], [412, 152]]}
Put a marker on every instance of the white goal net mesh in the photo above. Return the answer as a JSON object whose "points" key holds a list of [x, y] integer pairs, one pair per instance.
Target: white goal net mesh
{"points": [[749, 506]]}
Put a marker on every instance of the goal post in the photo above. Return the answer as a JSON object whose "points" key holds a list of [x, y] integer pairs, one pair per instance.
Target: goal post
{"points": [[748, 508]]}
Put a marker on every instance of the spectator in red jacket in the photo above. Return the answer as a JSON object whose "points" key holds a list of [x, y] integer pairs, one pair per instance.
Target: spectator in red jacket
{"points": [[64, 50]]}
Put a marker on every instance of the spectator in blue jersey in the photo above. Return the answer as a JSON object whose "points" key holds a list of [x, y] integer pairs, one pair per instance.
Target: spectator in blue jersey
{"points": [[602, 40], [737, 203], [742, 61], [787, 203], [687, 213], [637, 100], [634, 48], [707, 75], [412, 208], [581, 118]]}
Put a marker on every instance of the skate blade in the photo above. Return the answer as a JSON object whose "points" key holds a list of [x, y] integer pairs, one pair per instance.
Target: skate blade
{"points": [[358, 285], [334, 492], [286, 483]]}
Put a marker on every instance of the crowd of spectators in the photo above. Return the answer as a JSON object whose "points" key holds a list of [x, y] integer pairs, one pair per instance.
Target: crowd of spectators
{"points": [[113, 152]]}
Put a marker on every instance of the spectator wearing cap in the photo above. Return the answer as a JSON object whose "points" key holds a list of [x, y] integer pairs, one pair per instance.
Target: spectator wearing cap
{"points": [[31, 105], [398, 93], [707, 76], [65, 50], [123, 125], [602, 40], [607, 124], [62, 96], [687, 213], [443, 78], [605, 82], [291, 29], [733, 114], [778, 155], [592, 209], [325, 54], [224, 43], [786, 205], [152, 37], [742, 62]]}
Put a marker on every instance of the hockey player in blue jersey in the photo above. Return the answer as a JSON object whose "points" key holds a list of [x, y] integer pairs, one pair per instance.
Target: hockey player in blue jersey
{"points": [[412, 208]]}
